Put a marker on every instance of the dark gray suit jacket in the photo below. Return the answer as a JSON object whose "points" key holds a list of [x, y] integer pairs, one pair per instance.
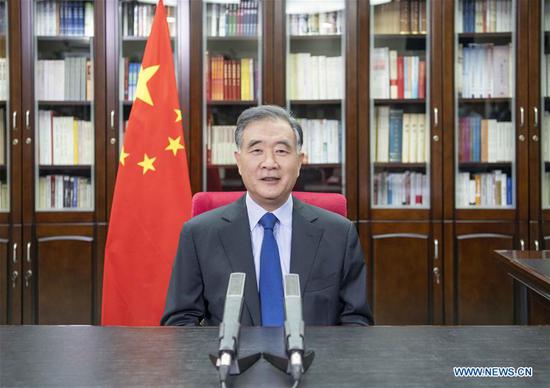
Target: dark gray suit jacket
{"points": [[325, 252]]}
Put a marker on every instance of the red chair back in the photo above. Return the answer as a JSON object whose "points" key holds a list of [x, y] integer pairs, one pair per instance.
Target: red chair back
{"points": [[208, 200]]}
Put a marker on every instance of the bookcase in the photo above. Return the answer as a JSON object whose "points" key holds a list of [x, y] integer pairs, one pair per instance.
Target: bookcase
{"points": [[431, 116]]}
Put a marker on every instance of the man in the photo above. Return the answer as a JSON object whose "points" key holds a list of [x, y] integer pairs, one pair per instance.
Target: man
{"points": [[265, 234]]}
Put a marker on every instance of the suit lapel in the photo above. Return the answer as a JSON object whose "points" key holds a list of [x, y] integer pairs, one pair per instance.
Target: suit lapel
{"points": [[235, 236], [306, 237]]}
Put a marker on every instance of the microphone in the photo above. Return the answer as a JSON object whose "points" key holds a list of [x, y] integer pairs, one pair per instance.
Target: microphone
{"points": [[294, 326], [230, 326]]}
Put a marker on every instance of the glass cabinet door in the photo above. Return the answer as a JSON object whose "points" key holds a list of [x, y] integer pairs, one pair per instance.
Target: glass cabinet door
{"points": [[232, 37], [315, 89], [4, 108], [63, 34], [399, 102], [545, 103], [485, 156], [135, 21]]}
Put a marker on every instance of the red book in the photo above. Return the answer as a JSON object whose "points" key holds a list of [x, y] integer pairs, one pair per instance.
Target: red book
{"points": [[238, 80], [152, 197], [422, 79], [400, 78]]}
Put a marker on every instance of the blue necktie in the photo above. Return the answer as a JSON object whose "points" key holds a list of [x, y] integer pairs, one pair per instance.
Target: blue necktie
{"points": [[271, 277]]}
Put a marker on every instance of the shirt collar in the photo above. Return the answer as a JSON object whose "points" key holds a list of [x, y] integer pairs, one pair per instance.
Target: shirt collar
{"points": [[255, 212]]}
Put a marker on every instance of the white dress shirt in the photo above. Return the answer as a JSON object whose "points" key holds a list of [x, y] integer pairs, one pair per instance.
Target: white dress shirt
{"points": [[282, 232]]}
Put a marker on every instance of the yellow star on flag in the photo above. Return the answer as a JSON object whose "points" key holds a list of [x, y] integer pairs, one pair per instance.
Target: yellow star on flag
{"points": [[123, 156], [147, 164], [142, 92], [174, 145], [178, 115]]}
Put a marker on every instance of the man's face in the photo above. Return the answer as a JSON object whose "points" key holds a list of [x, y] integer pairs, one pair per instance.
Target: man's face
{"points": [[269, 162]]}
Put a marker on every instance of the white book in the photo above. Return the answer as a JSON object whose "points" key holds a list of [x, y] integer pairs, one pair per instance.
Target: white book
{"points": [[393, 74], [421, 139], [313, 78], [413, 137], [380, 73], [405, 137], [383, 133], [45, 137], [322, 77]]}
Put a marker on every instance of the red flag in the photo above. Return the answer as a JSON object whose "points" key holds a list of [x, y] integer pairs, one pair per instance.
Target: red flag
{"points": [[152, 196]]}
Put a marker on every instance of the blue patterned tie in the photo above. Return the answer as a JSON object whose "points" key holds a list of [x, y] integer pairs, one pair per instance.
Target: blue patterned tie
{"points": [[271, 277]]}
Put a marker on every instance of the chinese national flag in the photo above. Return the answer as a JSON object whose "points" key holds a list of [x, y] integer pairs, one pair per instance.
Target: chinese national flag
{"points": [[152, 196]]}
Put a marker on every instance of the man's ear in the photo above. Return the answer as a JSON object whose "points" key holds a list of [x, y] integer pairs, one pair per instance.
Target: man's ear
{"points": [[237, 155]]}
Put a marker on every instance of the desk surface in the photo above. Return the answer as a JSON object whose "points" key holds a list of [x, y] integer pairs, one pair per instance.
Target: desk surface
{"points": [[530, 267], [412, 356]]}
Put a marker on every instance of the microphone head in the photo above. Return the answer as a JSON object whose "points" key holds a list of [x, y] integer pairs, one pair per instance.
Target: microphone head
{"points": [[236, 284], [292, 285]]}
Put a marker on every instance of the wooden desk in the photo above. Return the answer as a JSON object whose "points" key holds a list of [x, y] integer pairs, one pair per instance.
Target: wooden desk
{"points": [[412, 356], [531, 273]]}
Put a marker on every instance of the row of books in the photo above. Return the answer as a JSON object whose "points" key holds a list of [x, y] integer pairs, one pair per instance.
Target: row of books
{"points": [[400, 137], [3, 18], [137, 19], [484, 16], [397, 76], [64, 192], [64, 140], [64, 79], [231, 79], [485, 70], [129, 77], [2, 137], [485, 140], [492, 189], [313, 77], [400, 17], [322, 140], [323, 23], [221, 144], [4, 196], [4, 77], [232, 19], [546, 191], [73, 18], [411, 189]]}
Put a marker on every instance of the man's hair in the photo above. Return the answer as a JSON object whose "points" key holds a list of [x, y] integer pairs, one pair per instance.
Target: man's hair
{"points": [[263, 112]]}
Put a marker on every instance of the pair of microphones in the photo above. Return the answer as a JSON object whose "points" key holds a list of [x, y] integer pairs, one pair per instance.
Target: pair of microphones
{"points": [[296, 362]]}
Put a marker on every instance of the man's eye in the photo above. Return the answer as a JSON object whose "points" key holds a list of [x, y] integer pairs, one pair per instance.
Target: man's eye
{"points": [[281, 152], [256, 151]]}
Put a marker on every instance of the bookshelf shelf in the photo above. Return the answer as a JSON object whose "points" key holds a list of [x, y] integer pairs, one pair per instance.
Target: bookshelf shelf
{"points": [[497, 100], [485, 35], [399, 167], [64, 103], [419, 36], [80, 39], [321, 165], [84, 170], [391, 101], [232, 102], [315, 102], [235, 38], [312, 38], [484, 166]]}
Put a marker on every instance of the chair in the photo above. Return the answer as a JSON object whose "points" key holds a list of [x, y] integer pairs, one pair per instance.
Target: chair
{"points": [[208, 200]]}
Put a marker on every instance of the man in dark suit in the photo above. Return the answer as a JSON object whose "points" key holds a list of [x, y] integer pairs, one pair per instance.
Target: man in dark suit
{"points": [[266, 234]]}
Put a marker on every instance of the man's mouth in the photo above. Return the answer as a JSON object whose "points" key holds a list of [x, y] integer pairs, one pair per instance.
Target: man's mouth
{"points": [[270, 179]]}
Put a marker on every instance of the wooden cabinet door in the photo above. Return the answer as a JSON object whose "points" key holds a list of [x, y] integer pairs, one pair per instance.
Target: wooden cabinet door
{"points": [[479, 291], [60, 273], [402, 282]]}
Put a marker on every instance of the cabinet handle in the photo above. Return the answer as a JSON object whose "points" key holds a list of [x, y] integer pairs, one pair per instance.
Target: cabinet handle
{"points": [[536, 116], [436, 274], [436, 249], [14, 256], [522, 244], [536, 245], [436, 117], [112, 119], [28, 252], [28, 119], [14, 276], [28, 275], [14, 120], [521, 116]]}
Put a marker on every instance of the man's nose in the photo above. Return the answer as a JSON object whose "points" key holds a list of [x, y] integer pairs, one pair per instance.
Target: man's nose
{"points": [[269, 160]]}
